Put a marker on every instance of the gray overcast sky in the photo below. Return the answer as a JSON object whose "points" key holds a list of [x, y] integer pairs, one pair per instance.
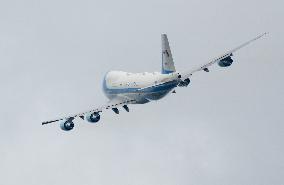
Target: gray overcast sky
{"points": [[225, 128]]}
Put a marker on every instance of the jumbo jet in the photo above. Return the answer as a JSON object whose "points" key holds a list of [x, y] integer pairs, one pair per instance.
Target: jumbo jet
{"points": [[124, 88]]}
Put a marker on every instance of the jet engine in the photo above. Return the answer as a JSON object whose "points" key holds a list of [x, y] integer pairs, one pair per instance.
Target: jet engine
{"points": [[66, 125], [226, 62], [93, 117], [184, 83]]}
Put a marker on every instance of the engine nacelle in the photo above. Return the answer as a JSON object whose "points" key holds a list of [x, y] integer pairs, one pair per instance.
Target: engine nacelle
{"points": [[66, 125], [93, 117], [184, 83], [226, 62]]}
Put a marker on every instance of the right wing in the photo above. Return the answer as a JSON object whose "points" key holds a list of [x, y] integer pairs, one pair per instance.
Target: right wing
{"points": [[114, 103], [204, 67]]}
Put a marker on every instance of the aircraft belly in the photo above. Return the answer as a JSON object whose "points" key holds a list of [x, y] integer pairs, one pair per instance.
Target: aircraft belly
{"points": [[156, 95]]}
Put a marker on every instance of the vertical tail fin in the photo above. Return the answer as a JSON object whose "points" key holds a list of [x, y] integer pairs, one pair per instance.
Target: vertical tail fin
{"points": [[168, 65]]}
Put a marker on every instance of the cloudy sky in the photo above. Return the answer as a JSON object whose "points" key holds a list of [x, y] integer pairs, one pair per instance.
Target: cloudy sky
{"points": [[225, 128]]}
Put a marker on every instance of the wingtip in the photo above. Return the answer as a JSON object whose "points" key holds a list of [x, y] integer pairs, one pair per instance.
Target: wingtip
{"points": [[47, 122], [265, 33], [260, 36]]}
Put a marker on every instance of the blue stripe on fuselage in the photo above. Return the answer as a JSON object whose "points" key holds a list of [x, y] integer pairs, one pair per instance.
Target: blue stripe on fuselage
{"points": [[158, 88], [167, 86], [164, 71]]}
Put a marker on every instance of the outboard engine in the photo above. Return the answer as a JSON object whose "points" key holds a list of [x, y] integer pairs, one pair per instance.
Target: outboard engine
{"points": [[226, 62], [66, 125], [184, 83], [93, 117]]}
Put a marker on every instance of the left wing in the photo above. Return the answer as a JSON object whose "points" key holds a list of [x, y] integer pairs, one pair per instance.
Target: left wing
{"points": [[114, 103], [218, 59]]}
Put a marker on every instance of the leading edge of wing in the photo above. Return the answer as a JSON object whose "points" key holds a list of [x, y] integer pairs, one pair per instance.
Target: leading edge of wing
{"points": [[217, 59]]}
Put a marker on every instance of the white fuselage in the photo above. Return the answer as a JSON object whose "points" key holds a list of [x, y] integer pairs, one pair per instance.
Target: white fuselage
{"points": [[144, 87]]}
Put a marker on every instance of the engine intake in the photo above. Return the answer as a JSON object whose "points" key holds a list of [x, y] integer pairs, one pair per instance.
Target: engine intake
{"points": [[66, 125], [184, 83], [226, 62], [93, 117]]}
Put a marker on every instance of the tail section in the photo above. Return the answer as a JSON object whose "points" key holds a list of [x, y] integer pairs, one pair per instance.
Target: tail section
{"points": [[168, 65]]}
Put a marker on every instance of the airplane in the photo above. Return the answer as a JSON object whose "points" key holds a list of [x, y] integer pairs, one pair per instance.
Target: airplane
{"points": [[124, 88]]}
